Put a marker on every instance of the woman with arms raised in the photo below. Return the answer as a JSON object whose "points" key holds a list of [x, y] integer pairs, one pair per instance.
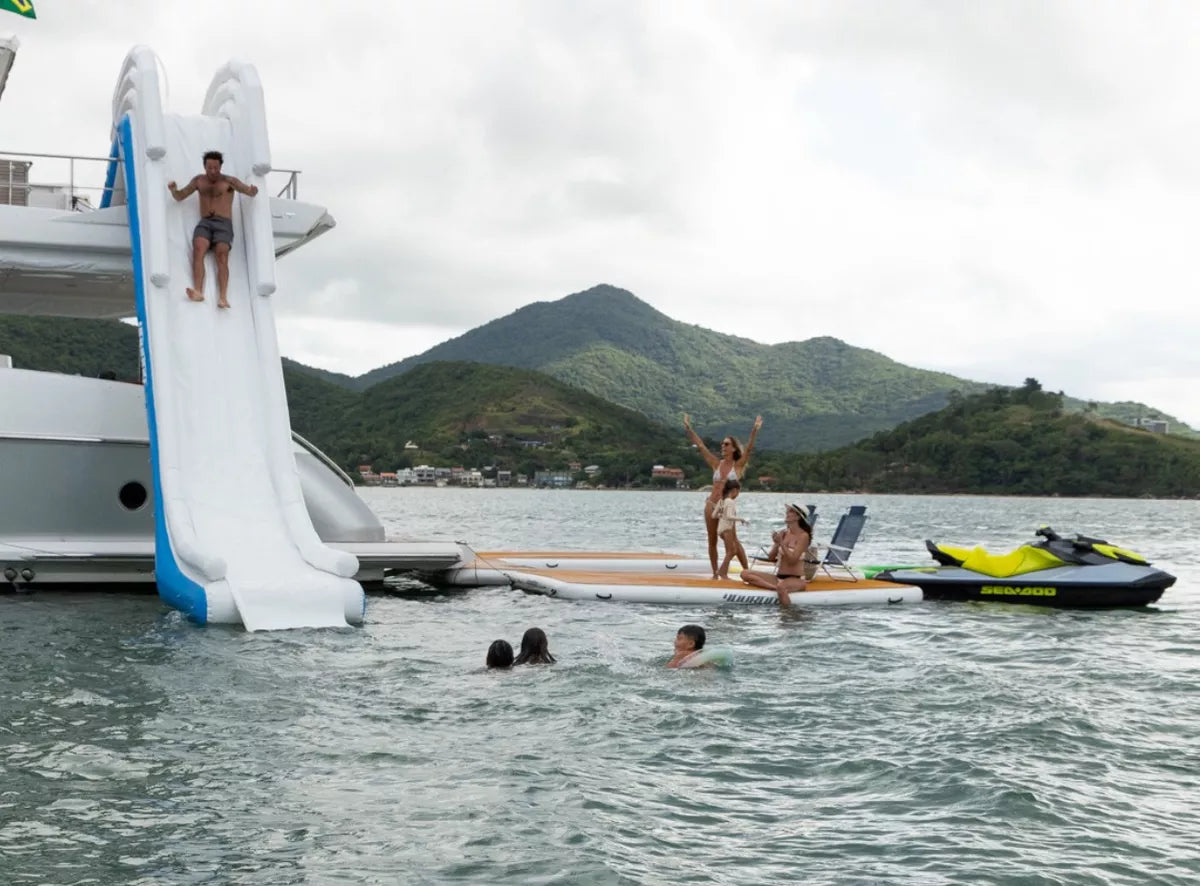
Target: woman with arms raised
{"points": [[729, 466]]}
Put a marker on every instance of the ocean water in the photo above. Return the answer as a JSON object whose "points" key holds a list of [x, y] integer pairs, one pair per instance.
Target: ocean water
{"points": [[937, 743]]}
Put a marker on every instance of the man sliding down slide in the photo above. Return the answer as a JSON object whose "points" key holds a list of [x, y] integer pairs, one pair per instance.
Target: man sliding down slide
{"points": [[215, 230]]}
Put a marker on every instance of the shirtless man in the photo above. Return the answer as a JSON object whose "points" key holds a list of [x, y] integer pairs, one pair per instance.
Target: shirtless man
{"points": [[789, 549], [215, 230]]}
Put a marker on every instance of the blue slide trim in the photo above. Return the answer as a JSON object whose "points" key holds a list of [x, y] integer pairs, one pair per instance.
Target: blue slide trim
{"points": [[174, 587], [110, 175]]}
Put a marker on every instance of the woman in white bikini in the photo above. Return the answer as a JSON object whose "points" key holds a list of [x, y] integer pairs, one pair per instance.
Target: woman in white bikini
{"points": [[731, 464]]}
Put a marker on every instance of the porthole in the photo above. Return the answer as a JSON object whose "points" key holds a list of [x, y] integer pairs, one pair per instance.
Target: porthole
{"points": [[132, 495]]}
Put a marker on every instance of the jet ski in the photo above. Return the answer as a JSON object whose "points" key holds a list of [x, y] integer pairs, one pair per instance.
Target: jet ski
{"points": [[1052, 571]]}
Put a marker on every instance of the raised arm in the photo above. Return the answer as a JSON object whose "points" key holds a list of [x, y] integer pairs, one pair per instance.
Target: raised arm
{"points": [[184, 192], [241, 187], [712, 460], [749, 443]]}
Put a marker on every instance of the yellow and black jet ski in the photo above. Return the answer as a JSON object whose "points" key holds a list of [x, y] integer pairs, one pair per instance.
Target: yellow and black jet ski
{"points": [[1052, 571]]}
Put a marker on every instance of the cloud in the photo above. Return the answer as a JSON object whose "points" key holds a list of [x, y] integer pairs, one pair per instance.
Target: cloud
{"points": [[997, 190], [353, 347]]}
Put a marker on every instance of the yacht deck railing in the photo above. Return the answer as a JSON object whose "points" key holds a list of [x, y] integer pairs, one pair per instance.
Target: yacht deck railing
{"points": [[16, 188], [85, 178]]}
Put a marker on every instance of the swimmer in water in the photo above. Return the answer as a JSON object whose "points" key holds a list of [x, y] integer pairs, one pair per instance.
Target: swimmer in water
{"points": [[535, 648], [500, 654], [688, 641]]}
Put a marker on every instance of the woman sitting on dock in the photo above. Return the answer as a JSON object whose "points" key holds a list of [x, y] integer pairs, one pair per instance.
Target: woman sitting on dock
{"points": [[788, 552]]}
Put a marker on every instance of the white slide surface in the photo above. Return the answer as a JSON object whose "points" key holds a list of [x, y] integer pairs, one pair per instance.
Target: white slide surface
{"points": [[228, 491]]}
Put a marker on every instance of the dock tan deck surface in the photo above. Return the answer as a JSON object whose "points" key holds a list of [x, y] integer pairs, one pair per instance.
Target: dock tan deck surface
{"points": [[672, 580], [579, 555]]}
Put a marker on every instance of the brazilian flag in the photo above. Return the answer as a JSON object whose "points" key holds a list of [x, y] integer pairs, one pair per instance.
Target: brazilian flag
{"points": [[20, 7]]}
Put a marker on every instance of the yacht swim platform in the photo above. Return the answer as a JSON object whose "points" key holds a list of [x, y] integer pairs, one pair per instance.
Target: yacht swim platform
{"points": [[48, 564]]}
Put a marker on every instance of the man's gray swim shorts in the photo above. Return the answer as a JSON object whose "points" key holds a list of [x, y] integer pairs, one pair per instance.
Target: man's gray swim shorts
{"points": [[215, 229]]}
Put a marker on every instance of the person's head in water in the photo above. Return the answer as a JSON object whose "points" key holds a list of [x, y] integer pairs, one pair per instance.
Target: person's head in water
{"points": [[732, 447], [731, 486], [535, 648], [212, 165], [689, 639], [500, 654]]}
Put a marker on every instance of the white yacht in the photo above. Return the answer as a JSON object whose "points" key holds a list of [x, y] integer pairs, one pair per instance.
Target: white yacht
{"points": [[192, 481]]}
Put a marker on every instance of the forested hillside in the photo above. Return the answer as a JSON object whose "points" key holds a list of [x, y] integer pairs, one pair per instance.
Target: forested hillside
{"points": [[1005, 441], [816, 394], [477, 416], [1024, 441]]}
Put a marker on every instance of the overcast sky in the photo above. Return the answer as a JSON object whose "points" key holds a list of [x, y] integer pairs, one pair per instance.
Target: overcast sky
{"points": [[997, 190]]}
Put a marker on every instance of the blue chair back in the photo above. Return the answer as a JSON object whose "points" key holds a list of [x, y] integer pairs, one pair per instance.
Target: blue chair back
{"points": [[846, 536]]}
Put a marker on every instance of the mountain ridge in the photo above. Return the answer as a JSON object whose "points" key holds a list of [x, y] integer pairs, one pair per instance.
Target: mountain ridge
{"points": [[1006, 441], [815, 395]]}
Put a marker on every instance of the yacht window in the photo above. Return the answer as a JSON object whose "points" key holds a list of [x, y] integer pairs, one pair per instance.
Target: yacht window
{"points": [[132, 495]]}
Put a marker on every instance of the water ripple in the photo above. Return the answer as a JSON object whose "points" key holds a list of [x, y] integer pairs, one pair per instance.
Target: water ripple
{"points": [[932, 744]]}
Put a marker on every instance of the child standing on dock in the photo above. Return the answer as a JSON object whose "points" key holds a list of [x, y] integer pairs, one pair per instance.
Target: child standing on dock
{"points": [[727, 517]]}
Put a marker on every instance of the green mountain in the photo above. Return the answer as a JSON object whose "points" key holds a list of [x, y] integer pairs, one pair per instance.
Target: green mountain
{"points": [[468, 414], [814, 395], [337, 378], [478, 415], [71, 346], [604, 340], [317, 406], [1006, 441]]}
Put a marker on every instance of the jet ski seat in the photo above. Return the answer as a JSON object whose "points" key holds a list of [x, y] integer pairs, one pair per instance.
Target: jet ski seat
{"points": [[1052, 550], [1026, 558]]}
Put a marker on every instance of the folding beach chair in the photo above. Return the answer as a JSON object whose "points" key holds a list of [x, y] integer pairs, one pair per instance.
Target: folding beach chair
{"points": [[845, 537]]}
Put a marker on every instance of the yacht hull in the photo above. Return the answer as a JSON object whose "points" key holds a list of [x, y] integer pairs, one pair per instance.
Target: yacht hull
{"points": [[44, 564], [78, 508]]}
